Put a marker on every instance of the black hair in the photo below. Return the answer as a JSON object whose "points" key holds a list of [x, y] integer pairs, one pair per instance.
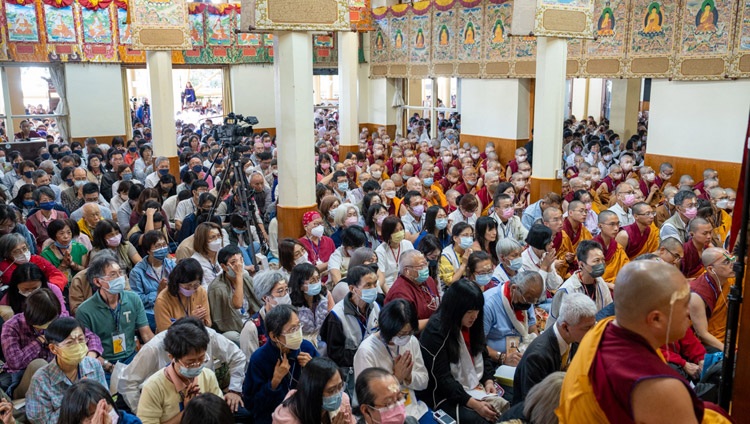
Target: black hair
{"points": [[390, 223], [90, 188], [277, 318], [54, 227], [461, 297], [355, 274], [300, 274], [187, 335], [427, 245], [430, 222], [370, 219], [353, 237], [6, 212], [394, 316], [227, 252], [150, 238], [207, 408], [409, 196], [306, 404], [362, 386], [484, 224], [370, 186], [80, 399], [459, 228], [187, 270], [104, 227], [22, 274], [584, 247], [135, 192], [198, 183], [474, 259], [60, 329], [41, 307]]}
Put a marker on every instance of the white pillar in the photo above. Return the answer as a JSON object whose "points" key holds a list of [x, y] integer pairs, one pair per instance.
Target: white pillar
{"points": [[159, 65], [623, 113], [348, 45], [549, 107]]}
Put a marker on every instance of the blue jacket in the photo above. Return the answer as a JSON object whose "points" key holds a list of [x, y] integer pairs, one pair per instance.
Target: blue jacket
{"points": [[126, 418], [145, 283], [256, 390]]}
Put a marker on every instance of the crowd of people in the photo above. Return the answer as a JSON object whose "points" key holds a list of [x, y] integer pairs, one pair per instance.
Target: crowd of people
{"points": [[425, 272]]}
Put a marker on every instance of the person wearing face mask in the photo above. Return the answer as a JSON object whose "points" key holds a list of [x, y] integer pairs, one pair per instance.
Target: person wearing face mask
{"points": [[275, 368], [520, 157], [319, 247], [453, 258], [344, 216], [108, 238], [380, 398], [541, 257], [666, 208], [721, 220], [15, 251], [183, 296], [26, 279], [509, 225], [87, 401], [24, 343], [66, 340], [587, 280], [708, 301], [415, 285], [151, 275], [648, 186], [413, 219], [351, 320], [395, 349], [207, 242], [467, 211], [479, 270], [113, 313], [686, 205], [624, 200], [312, 300], [318, 398], [642, 236], [168, 391]]}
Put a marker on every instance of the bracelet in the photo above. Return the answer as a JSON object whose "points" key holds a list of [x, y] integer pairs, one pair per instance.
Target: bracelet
{"points": [[502, 358]]}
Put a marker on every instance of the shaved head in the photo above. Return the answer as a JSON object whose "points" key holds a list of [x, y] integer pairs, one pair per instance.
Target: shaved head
{"points": [[605, 215], [670, 243], [696, 223], [574, 205], [711, 255], [640, 207], [643, 287]]}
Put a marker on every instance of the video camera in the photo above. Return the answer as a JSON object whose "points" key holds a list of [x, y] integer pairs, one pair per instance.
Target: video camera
{"points": [[234, 128]]}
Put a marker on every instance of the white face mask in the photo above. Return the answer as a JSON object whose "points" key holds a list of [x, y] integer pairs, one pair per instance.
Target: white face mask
{"points": [[215, 245], [301, 260], [317, 231], [401, 340]]}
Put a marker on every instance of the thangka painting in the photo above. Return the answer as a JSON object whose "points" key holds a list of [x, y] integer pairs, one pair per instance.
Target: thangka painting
{"points": [[707, 26], [123, 28], [380, 39], [652, 37], [421, 34], [249, 39], [22, 23], [60, 24], [611, 21], [525, 47], [197, 32], [218, 30], [741, 65], [160, 24], [399, 39], [323, 41], [97, 28], [563, 18], [469, 42], [497, 41], [443, 31]]}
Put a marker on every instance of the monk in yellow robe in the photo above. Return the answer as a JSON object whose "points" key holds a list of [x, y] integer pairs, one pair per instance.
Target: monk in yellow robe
{"points": [[700, 237], [721, 220], [706, 20], [566, 254], [652, 21], [614, 255], [600, 387], [642, 236]]}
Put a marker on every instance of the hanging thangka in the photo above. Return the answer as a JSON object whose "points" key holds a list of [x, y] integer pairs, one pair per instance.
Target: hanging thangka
{"points": [[22, 22], [399, 24], [707, 28], [605, 53], [62, 41], [195, 24], [421, 35], [444, 35], [497, 43], [741, 65], [469, 47], [219, 24], [575, 54], [379, 38], [98, 31], [652, 35]]}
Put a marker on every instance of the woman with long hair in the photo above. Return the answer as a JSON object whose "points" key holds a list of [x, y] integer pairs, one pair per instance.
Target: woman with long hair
{"points": [[486, 234], [108, 237], [376, 213], [184, 296], [311, 298]]}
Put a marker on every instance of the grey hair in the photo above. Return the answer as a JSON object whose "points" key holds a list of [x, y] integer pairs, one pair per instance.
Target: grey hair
{"points": [[543, 399], [264, 281], [43, 191], [47, 164], [159, 160], [339, 215], [407, 258], [716, 192], [98, 264], [525, 278], [506, 246], [361, 255], [39, 173], [9, 242], [575, 307]]}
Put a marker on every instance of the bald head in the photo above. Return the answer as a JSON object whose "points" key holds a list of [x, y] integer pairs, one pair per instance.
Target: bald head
{"points": [[670, 243], [642, 287], [696, 223], [605, 215], [640, 208], [575, 204], [711, 255]]}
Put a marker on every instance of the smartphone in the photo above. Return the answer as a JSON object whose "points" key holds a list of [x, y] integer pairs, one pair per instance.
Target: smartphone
{"points": [[443, 418]]}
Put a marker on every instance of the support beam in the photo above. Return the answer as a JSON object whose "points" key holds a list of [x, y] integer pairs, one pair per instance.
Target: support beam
{"points": [[348, 45], [623, 112], [159, 65]]}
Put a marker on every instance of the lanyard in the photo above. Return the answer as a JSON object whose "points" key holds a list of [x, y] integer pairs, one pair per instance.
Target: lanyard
{"points": [[388, 349], [314, 248], [505, 227], [187, 310], [396, 256], [164, 265], [115, 314]]}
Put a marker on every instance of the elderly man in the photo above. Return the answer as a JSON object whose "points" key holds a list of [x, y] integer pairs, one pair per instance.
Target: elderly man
{"points": [[700, 188], [451, 179], [642, 236], [152, 357], [535, 210], [508, 224], [666, 170], [686, 204], [91, 194], [471, 181], [91, 215], [26, 132], [625, 199], [708, 304], [415, 285], [553, 350], [648, 186], [601, 387], [700, 238], [509, 316], [721, 220], [41, 178], [486, 193], [666, 209], [72, 197], [614, 255], [161, 167]]}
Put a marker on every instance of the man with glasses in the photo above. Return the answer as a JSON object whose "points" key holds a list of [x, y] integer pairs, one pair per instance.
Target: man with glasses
{"points": [[508, 224], [378, 392], [614, 255], [700, 239], [708, 300], [625, 198], [642, 236], [113, 313], [686, 204], [415, 285], [670, 251]]}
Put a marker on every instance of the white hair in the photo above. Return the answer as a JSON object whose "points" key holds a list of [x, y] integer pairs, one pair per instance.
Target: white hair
{"points": [[407, 259], [575, 307], [506, 246], [339, 214]]}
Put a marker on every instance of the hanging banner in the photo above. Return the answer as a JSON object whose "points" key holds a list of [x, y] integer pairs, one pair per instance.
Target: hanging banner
{"points": [[741, 56], [22, 22], [316, 15], [497, 43], [605, 55], [160, 24], [444, 38], [420, 29], [653, 28], [564, 18]]}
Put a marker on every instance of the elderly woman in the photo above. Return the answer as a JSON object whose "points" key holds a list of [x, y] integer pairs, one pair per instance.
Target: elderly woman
{"points": [[15, 251], [184, 296], [268, 378], [345, 216], [509, 254], [66, 254], [38, 221], [272, 290]]}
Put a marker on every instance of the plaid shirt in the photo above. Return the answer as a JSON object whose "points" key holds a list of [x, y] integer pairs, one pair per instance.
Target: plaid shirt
{"points": [[50, 383], [20, 344]]}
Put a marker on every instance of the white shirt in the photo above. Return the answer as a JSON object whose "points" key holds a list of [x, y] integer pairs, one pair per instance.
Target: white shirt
{"points": [[512, 229], [210, 271], [551, 279], [561, 343], [388, 260], [153, 179], [457, 216], [626, 218], [184, 208]]}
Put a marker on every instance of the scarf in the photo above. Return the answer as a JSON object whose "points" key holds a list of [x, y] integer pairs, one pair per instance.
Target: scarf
{"points": [[519, 319], [636, 240]]}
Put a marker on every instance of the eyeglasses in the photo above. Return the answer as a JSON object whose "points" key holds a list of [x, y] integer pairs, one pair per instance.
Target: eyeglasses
{"points": [[389, 405], [197, 363], [676, 257], [280, 292], [292, 330], [652, 214], [193, 285]]}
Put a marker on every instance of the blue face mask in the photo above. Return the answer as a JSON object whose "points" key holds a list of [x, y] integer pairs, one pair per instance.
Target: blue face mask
{"points": [[127, 176], [28, 174], [466, 242], [197, 169], [314, 289], [423, 275], [47, 206], [483, 279], [428, 182], [62, 246], [369, 295], [45, 156], [28, 203], [191, 372], [161, 253], [516, 264], [117, 285], [164, 172], [238, 231], [343, 186], [332, 403], [441, 223]]}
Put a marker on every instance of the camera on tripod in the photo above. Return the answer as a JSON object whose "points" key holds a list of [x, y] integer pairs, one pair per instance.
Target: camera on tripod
{"points": [[234, 129]]}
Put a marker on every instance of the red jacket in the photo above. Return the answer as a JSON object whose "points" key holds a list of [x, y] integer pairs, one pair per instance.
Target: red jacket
{"points": [[54, 275], [688, 348]]}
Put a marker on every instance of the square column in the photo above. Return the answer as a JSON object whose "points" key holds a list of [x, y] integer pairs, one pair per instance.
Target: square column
{"points": [[623, 113], [348, 44], [159, 66]]}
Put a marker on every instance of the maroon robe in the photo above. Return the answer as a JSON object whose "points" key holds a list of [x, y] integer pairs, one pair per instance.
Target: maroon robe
{"points": [[708, 290], [635, 239], [691, 265]]}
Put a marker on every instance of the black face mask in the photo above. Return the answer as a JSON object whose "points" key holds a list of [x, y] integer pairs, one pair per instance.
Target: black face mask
{"points": [[521, 306]]}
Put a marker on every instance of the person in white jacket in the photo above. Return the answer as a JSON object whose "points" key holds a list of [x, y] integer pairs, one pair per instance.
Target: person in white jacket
{"points": [[395, 349], [542, 258]]}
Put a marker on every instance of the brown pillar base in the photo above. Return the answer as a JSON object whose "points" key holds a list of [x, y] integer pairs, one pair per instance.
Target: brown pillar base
{"points": [[174, 167], [541, 186], [290, 220], [345, 149]]}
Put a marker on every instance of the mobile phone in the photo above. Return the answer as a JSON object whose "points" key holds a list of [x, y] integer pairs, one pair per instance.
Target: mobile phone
{"points": [[443, 418]]}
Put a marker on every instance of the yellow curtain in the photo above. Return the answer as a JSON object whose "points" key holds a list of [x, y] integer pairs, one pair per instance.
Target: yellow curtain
{"points": [[226, 88], [126, 100]]}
